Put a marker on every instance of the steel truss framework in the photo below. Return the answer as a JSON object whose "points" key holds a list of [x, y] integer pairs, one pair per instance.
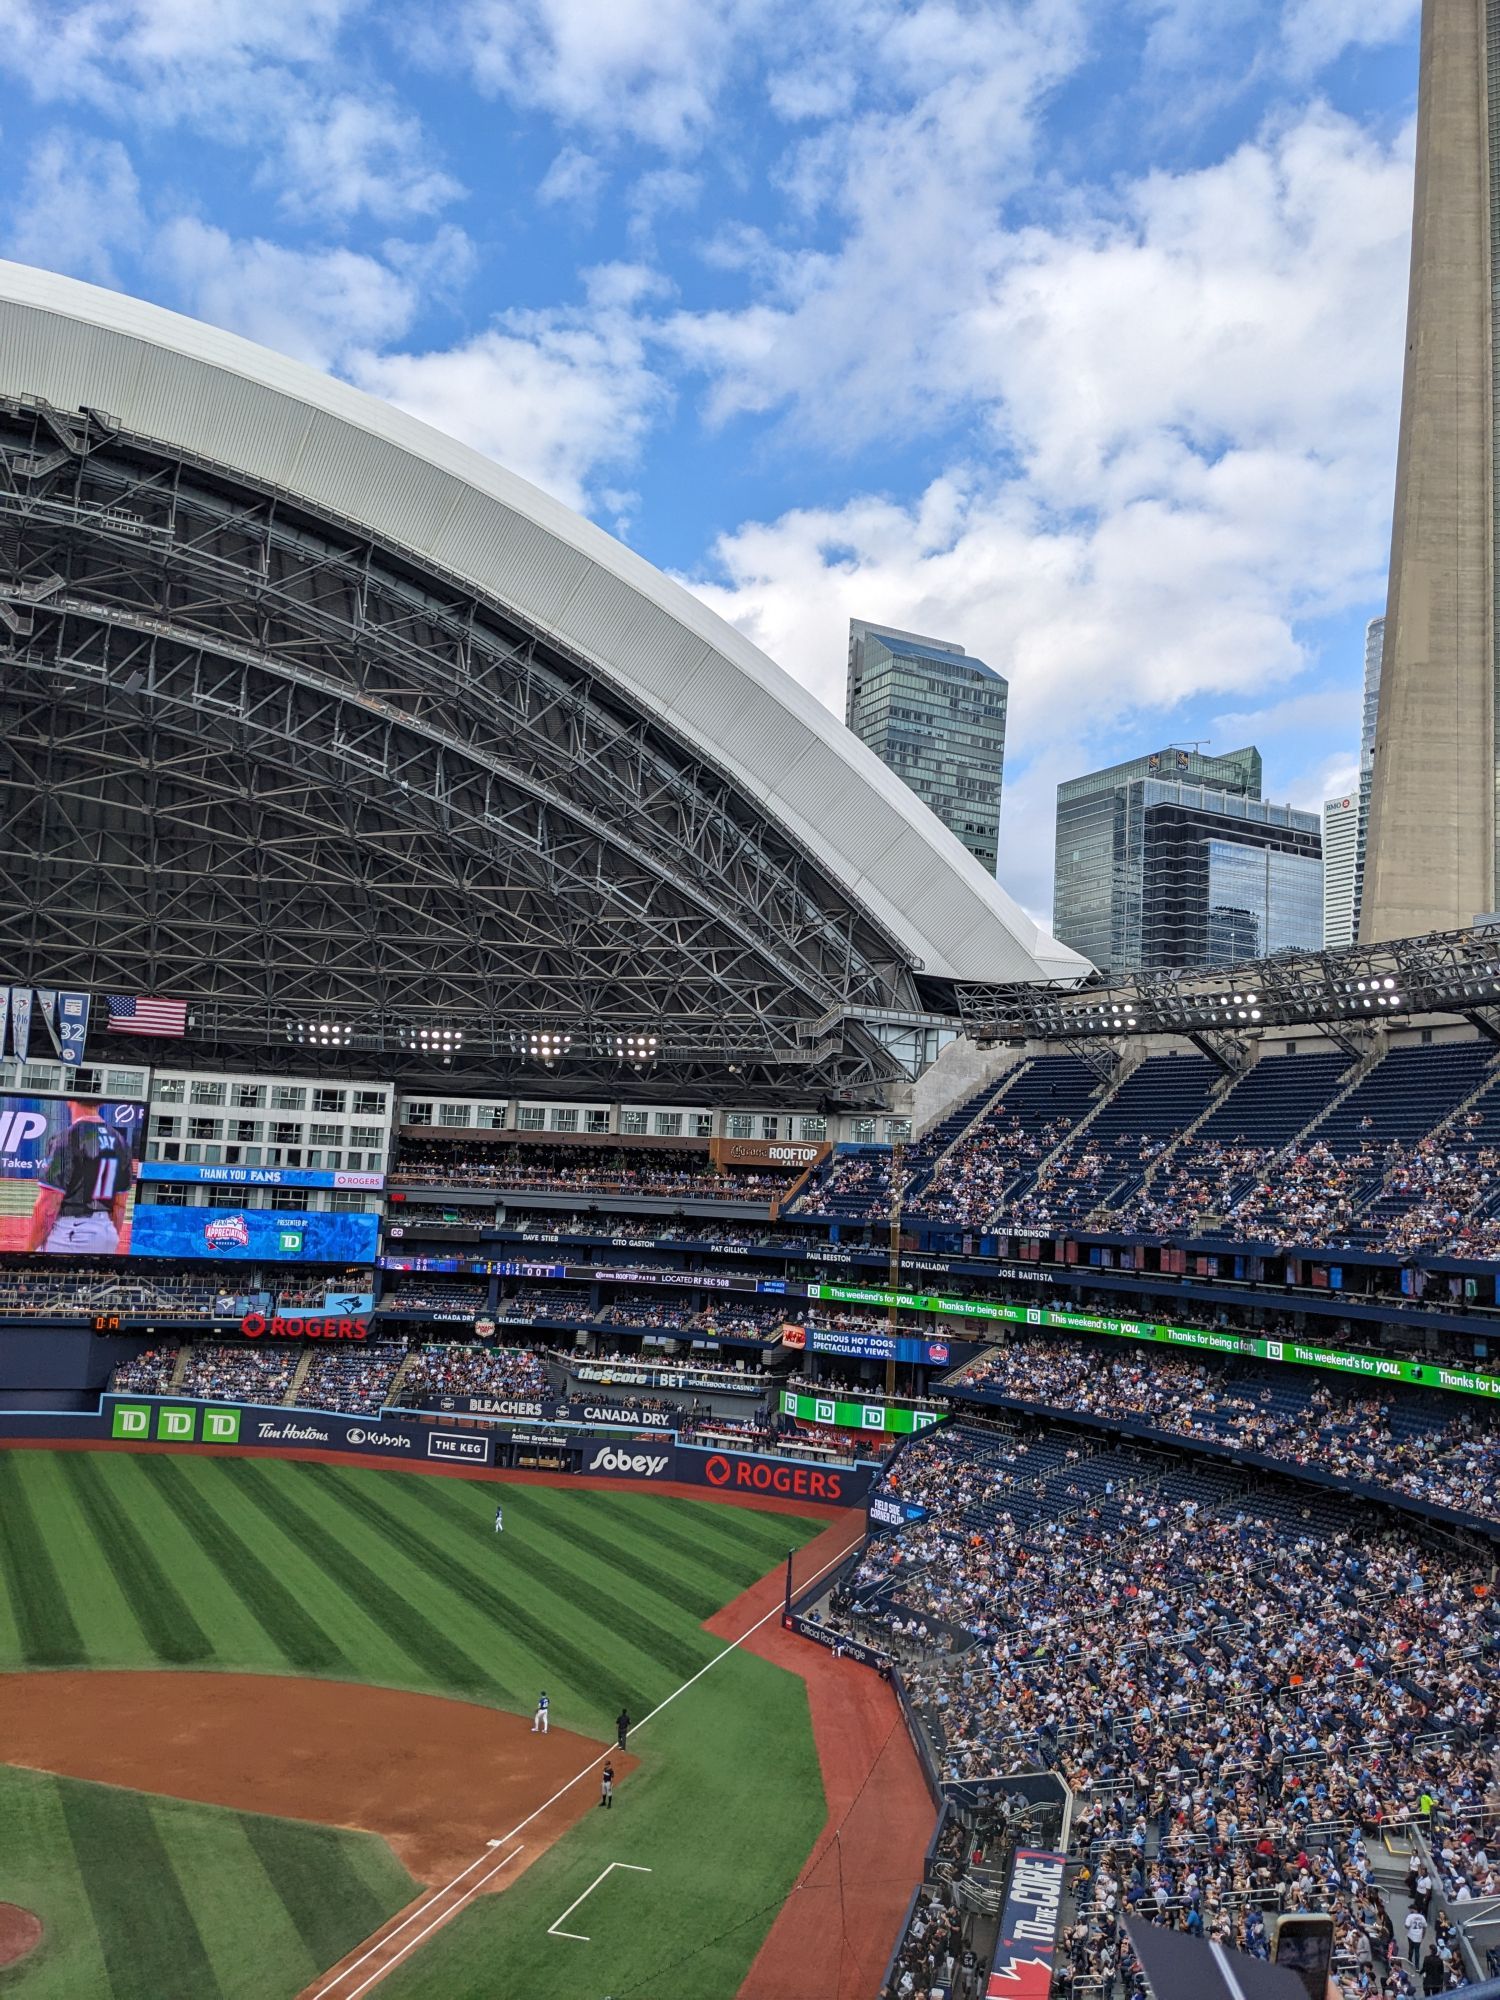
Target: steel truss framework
{"points": [[257, 760], [1347, 993]]}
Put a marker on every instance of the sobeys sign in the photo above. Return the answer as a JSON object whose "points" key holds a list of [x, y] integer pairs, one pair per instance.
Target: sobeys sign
{"points": [[854, 1416], [1297, 1353]]}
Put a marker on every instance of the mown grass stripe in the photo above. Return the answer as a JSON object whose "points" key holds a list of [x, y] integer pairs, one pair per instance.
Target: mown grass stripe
{"points": [[769, 1535], [581, 1668], [700, 1601], [287, 1624], [48, 1632], [439, 1658], [648, 1635], [157, 1605], [703, 1542], [312, 1870], [147, 1933]]}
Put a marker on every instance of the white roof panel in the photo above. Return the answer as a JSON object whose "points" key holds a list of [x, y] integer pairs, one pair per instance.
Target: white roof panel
{"points": [[223, 398]]}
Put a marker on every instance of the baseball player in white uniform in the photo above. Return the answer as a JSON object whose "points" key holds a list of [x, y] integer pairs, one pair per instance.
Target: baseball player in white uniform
{"points": [[539, 1722]]}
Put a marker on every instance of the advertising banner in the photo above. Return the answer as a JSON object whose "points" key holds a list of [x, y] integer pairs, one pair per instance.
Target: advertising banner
{"points": [[836, 1642], [854, 1416], [255, 1235], [625, 1462], [513, 1409], [621, 1416], [297, 1177], [1296, 1353], [1027, 1945], [886, 1512], [859, 1346], [164, 1421], [68, 1173], [790, 1478]]}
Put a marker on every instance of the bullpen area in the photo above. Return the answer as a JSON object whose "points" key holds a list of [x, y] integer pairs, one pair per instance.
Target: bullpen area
{"points": [[266, 1731]]}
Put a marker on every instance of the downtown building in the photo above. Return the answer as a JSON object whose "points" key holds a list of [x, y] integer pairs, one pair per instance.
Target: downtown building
{"points": [[1431, 844], [936, 718], [1346, 819], [1173, 861]]}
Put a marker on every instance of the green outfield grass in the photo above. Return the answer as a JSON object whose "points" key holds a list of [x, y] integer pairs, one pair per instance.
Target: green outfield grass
{"points": [[116, 1560], [134, 1893]]}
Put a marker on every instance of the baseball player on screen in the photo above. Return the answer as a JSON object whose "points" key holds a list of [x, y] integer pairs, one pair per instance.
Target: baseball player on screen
{"points": [[83, 1191]]}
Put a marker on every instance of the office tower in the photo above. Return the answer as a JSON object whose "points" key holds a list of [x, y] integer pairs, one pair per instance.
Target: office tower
{"points": [[937, 718], [1173, 860], [1430, 848], [1341, 824], [1374, 656], [1346, 819]]}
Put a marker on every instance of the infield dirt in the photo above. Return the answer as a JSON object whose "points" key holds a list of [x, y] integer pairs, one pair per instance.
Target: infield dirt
{"points": [[433, 1778]]}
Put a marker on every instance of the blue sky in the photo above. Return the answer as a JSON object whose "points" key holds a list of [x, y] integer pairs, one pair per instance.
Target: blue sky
{"points": [[1068, 329]]}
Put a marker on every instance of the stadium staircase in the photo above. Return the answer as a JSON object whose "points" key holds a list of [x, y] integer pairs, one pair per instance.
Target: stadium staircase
{"points": [[1026, 1180], [1380, 1208], [938, 1141], [299, 1376], [1225, 1088], [179, 1368], [398, 1380]]}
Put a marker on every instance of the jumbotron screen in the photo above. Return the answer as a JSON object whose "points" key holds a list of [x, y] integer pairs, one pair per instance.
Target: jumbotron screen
{"points": [[69, 1167]]}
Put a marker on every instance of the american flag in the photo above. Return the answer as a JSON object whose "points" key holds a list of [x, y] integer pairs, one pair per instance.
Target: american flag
{"points": [[133, 1014]]}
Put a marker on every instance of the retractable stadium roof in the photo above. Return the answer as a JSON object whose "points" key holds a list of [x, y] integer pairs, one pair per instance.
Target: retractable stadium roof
{"points": [[200, 539]]}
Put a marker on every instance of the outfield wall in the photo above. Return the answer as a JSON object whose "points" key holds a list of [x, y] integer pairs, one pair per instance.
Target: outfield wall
{"points": [[167, 1421]]}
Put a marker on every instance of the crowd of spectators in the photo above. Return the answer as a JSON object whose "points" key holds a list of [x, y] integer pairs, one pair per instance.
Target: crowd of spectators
{"points": [[27, 1289], [1428, 1448], [463, 1369], [148, 1374], [657, 1174], [1235, 1683], [1191, 1655], [858, 1187], [355, 1381], [220, 1374]]}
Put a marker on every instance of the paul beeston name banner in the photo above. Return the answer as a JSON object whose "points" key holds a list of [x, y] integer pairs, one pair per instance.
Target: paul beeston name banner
{"points": [[1296, 1353]]}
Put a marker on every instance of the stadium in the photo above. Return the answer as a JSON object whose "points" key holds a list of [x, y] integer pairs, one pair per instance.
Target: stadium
{"points": [[617, 1376]]}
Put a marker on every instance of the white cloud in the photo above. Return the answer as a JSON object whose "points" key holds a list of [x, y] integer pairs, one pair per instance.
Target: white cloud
{"points": [[346, 154], [1316, 32], [319, 306], [1190, 402], [647, 69], [77, 208], [574, 180], [268, 76], [555, 396]]}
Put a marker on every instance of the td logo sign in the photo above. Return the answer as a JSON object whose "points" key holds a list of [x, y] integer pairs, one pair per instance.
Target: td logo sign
{"points": [[174, 1424]]}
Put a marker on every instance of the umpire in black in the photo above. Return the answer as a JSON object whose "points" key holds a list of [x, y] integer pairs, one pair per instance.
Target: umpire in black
{"points": [[622, 1727]]}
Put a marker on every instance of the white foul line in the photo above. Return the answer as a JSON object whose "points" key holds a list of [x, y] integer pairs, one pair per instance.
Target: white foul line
{"points": [[577, 1936], [380, 1971], [437, 1895]]}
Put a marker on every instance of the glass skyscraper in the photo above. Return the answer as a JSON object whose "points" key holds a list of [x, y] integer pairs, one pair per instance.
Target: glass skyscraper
{"points": [[1173, 860], [1346, 820], [936, 717]]}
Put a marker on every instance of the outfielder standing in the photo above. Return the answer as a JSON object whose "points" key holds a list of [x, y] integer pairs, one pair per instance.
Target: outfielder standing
{"points": [[539, 1720], [499, 1518]]}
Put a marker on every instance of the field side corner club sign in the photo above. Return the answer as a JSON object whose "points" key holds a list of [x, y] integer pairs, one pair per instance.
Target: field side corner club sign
{"points": [[853, 1416], [1294, 1353]]}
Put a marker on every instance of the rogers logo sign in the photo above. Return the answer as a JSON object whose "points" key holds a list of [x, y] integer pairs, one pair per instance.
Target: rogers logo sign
{"points": [[763, 1475], [295, 1327], [642, 1464]]}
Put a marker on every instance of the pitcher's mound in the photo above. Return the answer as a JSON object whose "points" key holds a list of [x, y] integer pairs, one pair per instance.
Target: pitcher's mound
{"points": [[20, 1933]]}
